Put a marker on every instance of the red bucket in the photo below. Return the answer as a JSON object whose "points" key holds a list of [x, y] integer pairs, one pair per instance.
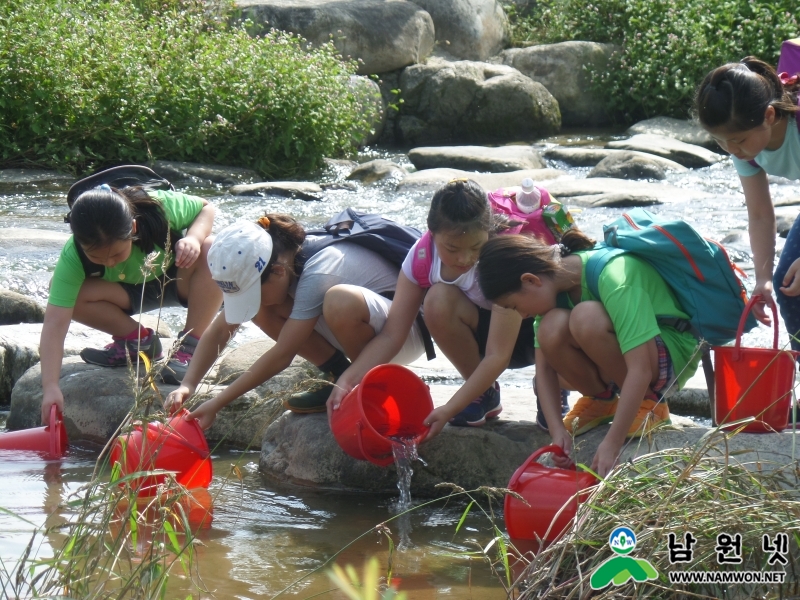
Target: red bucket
{"points": [[391, 401], [178, 446], [753, 382], [51, 440], [553, 495]]}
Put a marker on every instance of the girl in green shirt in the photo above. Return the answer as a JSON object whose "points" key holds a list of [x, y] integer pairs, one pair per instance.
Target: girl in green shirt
{"points": [[115, 265], [612, 348]]}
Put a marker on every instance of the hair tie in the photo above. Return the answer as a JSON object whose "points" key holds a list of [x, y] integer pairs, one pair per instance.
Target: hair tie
{"points": [[560, 250], [264, 222], [458, 180], [105, 187]]}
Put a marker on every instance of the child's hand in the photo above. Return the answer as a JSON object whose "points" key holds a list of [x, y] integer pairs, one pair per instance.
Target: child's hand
{"points": [[186, 252], [438, 418], [205, 414], [791, 281], [176, 398], [562, 439], [605, 459], [51, 396], [760, 308]]}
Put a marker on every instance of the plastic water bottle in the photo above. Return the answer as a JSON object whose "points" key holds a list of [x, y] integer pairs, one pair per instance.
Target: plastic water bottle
{"points": [[530, 198]]}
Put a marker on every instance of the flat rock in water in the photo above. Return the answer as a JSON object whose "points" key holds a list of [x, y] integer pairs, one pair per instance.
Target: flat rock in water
{"points": [[377, 170], [477, 158], [590, 157], [791, 201], [185, 172], [15, 180], [680, 129], [600, 191], [785, 218], [16, 308], [689, 155], [431, 179], [302, 190], [19, 347], [21, 240], [628, 165]]}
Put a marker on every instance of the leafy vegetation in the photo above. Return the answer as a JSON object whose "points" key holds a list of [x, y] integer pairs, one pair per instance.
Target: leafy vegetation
{"points": [[90, 83], [666, 46]]}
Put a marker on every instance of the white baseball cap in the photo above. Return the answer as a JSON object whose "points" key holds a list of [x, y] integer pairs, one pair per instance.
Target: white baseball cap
{"points": [[236, 259]]}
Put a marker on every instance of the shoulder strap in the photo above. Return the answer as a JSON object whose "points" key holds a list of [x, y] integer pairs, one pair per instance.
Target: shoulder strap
{"points": [[596, 263], [422, 260]]}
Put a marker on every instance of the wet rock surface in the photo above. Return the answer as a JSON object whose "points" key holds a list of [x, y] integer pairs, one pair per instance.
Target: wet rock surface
{"points": [[183, 173], [628, 165], [477, 158], [16, 308], [377, 170], [601, 191], [430, 179], [682, 130], [302, 190], [689, 155]]}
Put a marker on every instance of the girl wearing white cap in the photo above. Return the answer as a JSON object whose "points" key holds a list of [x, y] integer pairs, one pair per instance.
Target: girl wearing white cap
{"points": [[330, 311]]}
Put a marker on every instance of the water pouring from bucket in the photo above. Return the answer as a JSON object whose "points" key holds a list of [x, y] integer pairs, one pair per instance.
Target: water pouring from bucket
{"points": [[50, 441], [390, 402], [552, 494], [753, 383]]}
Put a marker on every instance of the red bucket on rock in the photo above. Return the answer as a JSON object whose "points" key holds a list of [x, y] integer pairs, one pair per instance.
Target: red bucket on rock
{"points": [[51, 440], [178, 446], [753, 382], [390, 402], [552, 494]]}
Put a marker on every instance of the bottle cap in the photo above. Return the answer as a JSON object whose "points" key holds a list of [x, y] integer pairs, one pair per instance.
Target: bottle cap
{"points": [[527, 185]]}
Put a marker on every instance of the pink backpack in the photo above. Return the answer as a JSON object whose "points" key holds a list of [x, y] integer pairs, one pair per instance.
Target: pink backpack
{"points": [[503, 201]]}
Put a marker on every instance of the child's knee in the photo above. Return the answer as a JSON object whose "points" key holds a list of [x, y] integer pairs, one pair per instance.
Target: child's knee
{"points": [[344, 304], [439, 303], [553, 329], [587, 320]]}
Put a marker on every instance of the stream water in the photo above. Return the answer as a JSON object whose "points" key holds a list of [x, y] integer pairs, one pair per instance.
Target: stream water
{"points": [[264, 536]]}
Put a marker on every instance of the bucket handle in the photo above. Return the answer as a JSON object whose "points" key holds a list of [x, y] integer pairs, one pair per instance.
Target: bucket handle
{"points": [[554, 448], [743, 319]]}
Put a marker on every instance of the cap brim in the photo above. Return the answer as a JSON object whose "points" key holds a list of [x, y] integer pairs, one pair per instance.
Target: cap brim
{"points": [[242, 306]]}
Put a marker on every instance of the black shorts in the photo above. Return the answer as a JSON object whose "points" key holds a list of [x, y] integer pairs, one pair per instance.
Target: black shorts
{"points": [[154, 296], [523, 354]]}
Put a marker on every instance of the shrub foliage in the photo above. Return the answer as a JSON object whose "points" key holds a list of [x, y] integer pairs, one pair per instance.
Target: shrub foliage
{"points": [[666, 46], [87, 83]]}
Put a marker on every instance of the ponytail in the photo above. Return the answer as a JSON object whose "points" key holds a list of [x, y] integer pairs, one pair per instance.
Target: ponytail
{"points": [[736, 95], [287, 236], [505, 258]]}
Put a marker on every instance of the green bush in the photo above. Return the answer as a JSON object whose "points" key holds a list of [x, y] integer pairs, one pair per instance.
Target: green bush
{"points": [[666, 46], [87, 83]]}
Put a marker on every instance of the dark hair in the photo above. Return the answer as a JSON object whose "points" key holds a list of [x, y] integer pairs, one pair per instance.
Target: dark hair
{"points": [[461, 204], [104, 215], [505, 258], [737, 95], [287, 235]]}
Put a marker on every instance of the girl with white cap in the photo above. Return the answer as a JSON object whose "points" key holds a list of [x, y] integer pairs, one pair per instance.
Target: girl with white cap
{"points": [[328, 312]]}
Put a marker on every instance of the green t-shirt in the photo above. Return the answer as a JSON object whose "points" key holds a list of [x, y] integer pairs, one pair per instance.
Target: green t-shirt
{"points": [[181, 210], [633, 293]]}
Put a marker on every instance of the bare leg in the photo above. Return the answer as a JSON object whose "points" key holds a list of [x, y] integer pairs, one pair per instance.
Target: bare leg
{"points": [[197, 287], [452, 321], [102, 305], [347, 314]]}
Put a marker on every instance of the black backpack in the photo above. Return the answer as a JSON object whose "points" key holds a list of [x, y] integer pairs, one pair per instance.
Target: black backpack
{"points": [[374, 232], [119, 177]]}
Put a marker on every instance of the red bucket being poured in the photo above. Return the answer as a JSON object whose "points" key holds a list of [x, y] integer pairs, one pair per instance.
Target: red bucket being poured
{"points": [[753, 382], [51, 441], [552, 495], [178, 446], [390, 402]]}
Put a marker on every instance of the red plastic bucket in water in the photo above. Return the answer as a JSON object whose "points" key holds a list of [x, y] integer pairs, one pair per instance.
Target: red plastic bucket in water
{"points": [[178, 446], [553, 495], [51, 440], [753, 382], [391, 401]]}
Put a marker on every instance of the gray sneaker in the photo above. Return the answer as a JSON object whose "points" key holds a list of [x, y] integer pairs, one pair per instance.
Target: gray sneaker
{"points": [[117, 353], [175, 370]]}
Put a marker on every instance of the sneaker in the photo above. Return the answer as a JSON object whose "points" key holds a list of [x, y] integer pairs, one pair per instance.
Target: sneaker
{"points": [[541, 421], [588, 413], [472, 416], [490, 402], [175, 370], [651, 415], [117, 353], [312, 401]]}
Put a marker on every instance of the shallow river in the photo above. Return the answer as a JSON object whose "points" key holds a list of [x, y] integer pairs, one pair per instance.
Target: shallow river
{"points": [[263, 537]]}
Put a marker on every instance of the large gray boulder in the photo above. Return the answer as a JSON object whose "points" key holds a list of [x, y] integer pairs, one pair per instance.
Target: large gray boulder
{"points": [[302, 190], [689, 155], [431, 179], [19, 347], [683, 130], [565, 69], [590, 157], [628, 165], [18, 180], [382, 35], [477, 158], [472, 102], [377, 170], [183, 173], [16, 308], [601, 191], [468, 29]]}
